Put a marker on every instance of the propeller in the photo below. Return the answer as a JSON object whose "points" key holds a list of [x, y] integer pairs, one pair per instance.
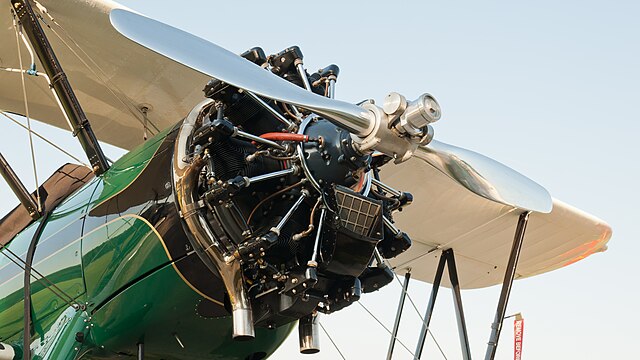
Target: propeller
{"points": [[480, 174], [486, 177]]}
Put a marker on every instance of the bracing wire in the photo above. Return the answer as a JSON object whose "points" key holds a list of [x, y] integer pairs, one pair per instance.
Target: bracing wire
{"points": [[332, 342], [26, 108], [44, 139], [92, 67], [386, 329]]}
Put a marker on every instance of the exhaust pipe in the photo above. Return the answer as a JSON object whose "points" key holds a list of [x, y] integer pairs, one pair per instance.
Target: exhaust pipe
{"points": [[309, 335], [207, 245]]}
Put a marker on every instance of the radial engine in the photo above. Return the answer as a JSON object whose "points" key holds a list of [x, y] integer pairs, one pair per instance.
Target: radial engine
{"points": [[283, 204]]}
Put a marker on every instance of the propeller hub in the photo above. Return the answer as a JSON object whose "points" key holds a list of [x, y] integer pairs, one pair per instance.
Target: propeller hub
{"points": [[414, 116]]}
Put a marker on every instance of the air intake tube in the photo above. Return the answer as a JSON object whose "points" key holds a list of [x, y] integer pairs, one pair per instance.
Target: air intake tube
{"points": [[208, 246]]}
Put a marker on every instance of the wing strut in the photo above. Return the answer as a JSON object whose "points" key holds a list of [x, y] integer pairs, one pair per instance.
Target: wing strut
{"points": [[509, 274], [61, 86], [396, 324], [448, 258], [18, 188]]}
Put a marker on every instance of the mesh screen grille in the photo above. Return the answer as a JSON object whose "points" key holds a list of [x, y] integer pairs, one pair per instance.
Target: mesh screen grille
{"points": [[357, 214]]}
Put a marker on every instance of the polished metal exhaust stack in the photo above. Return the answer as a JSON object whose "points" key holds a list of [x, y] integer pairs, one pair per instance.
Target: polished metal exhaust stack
{"points": [[212, 252], [309, 334]]}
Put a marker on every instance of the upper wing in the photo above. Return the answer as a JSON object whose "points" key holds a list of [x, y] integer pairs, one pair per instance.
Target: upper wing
{"points": [[112, 76], [445, 215]]}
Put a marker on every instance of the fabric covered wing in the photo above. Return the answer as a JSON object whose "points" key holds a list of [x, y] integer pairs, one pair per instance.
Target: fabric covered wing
{"points": [[113, 77], [445, 215]]}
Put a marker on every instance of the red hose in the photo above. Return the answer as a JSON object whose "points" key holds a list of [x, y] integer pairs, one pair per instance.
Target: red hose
{"points": [[277, 136]]}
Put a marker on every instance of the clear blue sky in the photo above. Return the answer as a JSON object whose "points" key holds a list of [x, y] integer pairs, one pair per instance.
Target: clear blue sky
{"points": [[549, 88]]}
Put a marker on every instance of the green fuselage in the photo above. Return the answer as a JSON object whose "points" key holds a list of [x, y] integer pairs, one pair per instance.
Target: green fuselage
{"points": [[118, 247]]}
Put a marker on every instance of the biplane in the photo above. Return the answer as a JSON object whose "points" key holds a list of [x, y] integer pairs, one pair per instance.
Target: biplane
{"points": [[243, 211]]}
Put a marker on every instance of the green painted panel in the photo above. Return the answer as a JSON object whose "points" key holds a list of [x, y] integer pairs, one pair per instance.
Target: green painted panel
{"points": [[119, 252], [159, 308], [58, 254], [124, 171]]}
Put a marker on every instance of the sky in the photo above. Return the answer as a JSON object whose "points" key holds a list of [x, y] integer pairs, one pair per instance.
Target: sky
{"points": [[548, 88]]}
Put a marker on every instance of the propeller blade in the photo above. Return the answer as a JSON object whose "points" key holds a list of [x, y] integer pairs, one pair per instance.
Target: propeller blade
{"points": [[217, 62], [479, 174], [486, 177]]}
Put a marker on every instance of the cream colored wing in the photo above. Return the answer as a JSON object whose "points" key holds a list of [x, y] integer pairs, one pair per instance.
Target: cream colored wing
{"points": [[113, 77], [445, 215]]}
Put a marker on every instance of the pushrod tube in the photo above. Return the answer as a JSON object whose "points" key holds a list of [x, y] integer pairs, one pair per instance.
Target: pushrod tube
{"points": [[271, 110], [507, 283], [61, 86]]}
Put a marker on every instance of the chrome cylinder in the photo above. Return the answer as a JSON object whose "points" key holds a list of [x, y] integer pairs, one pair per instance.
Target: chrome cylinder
{"points": [[418, 114], [213, 253], [309, 334], [243, 328]]}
